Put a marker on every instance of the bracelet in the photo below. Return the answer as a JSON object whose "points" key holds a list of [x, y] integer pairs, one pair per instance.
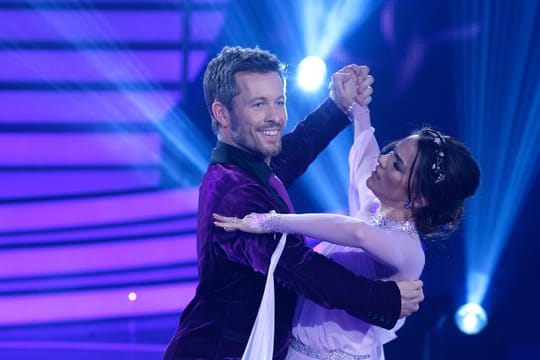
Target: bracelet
{"points": [[362, 110], [350, 112], [272, 223]]}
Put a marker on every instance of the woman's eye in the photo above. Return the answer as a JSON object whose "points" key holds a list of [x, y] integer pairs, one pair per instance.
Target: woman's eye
{"points": [[396, 166]]}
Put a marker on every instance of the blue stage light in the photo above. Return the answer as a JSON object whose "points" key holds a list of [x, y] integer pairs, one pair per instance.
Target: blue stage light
{"points": [[471, 319], [490, 98], [326, 22], [311, 73]]}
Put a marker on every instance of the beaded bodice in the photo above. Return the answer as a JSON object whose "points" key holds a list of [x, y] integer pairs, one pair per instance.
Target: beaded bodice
{"points": [[379, 220]]}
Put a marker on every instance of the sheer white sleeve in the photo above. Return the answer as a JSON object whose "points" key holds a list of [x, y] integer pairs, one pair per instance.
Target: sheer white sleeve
{"points": [[362, 161], [399, 250]]}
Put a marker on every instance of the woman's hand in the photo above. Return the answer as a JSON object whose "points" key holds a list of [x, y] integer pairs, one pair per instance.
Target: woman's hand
{"points": [[253, 223]]}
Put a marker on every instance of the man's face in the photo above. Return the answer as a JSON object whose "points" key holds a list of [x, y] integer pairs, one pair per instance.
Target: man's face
{"points": [[259, 113]]}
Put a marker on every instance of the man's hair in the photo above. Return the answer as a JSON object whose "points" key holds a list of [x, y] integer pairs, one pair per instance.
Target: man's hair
{"points": [[219, 82]]}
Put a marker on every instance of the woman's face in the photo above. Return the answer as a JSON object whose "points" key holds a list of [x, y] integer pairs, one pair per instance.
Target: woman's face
{"points": [[389, 180]]}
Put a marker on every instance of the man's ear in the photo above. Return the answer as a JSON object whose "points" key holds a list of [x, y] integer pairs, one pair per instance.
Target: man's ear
{"points": [[221, 114]]}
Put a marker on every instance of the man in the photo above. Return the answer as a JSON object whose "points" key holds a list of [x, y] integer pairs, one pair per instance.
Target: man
{"points": [[245, 93]]}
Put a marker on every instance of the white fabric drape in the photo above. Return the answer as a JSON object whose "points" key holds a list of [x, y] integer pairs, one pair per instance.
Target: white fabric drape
{"points": [[260, 345]]}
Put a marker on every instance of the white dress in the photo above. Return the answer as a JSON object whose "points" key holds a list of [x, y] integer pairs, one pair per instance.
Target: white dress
{"points": [[320, 333]]}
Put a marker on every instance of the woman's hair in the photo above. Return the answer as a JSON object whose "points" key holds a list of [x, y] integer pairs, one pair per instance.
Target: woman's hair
{"points": [[443, 173]]}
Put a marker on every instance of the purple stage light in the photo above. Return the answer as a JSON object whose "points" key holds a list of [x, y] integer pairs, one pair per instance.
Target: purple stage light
{"points": [[86, 106], [87, 305], [91, 65], [165, 273], [205, 25], [79, 149], [22, 184], [88, 256], [101, 256], [118, 266], [90, 25], [176, 223], [197, 60], [96, 211], [74, 349]]}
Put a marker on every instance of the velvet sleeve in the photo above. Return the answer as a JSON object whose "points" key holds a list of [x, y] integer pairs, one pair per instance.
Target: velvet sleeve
{"points": [[301, 269], [307, 140]]}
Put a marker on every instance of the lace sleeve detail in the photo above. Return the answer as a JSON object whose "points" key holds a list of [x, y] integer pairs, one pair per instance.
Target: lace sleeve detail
{"points": [[271, 222]]}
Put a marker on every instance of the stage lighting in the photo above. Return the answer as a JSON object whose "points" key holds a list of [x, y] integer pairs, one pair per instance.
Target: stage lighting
{"points": [[311, 73], [471, 318], [507, 156]]}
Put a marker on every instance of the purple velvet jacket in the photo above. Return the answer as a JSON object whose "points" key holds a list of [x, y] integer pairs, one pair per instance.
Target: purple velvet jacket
{"points": [[232, 265]]}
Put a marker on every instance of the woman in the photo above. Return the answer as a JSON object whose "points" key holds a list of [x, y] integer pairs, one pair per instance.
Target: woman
{"points": [[417, 185]]}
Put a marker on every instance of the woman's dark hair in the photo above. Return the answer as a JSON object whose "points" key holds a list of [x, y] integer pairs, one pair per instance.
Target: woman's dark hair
{"points": [[443, 173]]}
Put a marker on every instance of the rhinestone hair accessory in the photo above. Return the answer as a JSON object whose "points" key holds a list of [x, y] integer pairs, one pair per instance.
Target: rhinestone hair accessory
{"points": [[436, 167], [381, 221]]}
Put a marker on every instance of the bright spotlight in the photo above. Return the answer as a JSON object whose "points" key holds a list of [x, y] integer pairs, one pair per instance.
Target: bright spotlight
{"points": [[311, 73], [471, 318]]}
